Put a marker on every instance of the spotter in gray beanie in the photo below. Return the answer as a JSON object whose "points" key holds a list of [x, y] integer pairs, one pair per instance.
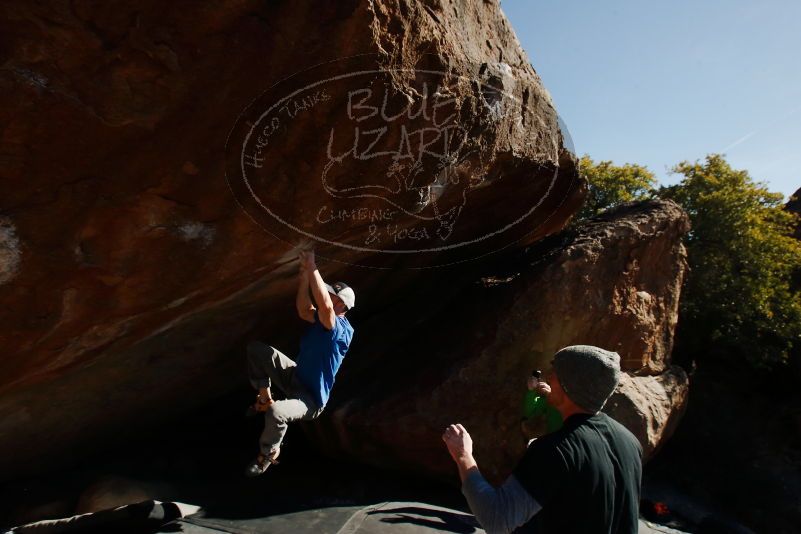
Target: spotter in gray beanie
{"points": [[587, 374]]}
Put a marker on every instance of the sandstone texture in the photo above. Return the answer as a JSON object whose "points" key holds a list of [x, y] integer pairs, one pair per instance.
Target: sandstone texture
{"points": [[463, 354], [651, 406], [135, 262]]}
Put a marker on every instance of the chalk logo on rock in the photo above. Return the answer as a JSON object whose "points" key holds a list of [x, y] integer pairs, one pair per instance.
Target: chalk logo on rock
{"points": [[369, 161]]}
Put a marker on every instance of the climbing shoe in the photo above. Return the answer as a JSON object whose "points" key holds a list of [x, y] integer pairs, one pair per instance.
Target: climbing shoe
{"points": [[261, 463]]}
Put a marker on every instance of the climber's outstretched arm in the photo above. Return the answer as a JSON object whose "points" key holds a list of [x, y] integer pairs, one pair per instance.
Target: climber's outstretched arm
{"points": [[302, 301], [325, 308]]}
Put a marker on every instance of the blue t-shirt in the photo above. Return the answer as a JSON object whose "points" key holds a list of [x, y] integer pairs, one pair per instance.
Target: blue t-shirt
{"points": [[321, 354]]}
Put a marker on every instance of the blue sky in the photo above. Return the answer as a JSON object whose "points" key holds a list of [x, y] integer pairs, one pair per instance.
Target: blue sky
{"points": [[659, 82]]}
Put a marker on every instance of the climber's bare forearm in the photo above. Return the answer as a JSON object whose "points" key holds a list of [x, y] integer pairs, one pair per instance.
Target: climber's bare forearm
{"points": [[303, 302]]}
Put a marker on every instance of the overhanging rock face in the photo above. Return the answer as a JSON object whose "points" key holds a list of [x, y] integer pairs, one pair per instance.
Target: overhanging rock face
{"points": [[133, 252]]}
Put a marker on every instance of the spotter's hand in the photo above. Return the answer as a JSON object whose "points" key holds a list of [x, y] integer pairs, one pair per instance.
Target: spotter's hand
{"points": [[458, 441]]}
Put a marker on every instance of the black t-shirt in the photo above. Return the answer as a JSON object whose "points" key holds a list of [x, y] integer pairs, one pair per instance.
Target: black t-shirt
{"points": [[586, 476]]}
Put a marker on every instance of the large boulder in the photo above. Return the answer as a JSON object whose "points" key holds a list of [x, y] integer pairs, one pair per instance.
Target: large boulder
{"points": [[651, 406], [134, 259], [793, 205], [462, 353]]}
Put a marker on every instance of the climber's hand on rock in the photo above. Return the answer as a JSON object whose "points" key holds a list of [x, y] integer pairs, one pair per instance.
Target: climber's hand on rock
{"points": [[307, 262]]}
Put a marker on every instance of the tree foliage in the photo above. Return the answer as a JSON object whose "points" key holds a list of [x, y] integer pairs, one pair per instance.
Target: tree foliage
{"points": [[611, 185], [742, 257], [739, 296]]}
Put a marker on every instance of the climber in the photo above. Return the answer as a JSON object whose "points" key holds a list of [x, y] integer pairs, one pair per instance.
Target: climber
{"points": [[306, 383], [584, 477]]}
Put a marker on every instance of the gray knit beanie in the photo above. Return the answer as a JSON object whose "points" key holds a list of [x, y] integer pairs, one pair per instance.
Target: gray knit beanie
{"points": [[589, 375]]}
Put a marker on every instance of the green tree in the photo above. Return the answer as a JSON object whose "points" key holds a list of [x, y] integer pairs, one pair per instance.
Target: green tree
{"points": [[738, 295], [611, 185]]}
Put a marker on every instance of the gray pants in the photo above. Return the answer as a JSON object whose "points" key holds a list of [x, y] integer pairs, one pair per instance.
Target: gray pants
{"points": [[268, 367]]}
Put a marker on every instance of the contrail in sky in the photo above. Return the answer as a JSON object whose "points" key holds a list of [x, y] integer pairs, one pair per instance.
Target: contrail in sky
{"points": [[743, 139], [748, 136]]}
